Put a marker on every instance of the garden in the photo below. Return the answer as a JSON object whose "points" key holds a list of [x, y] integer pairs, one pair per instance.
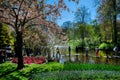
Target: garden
{"points": [[59, 39], [57, 71]]}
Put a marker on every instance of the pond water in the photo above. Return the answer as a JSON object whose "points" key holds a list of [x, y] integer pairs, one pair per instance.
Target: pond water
{"points": [[82, 58], [91, 58]]}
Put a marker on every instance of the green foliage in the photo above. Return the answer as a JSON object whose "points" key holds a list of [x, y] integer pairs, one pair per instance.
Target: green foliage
{"points": [[7, 67], [92, 38], [103, 46], [5, 36], [57, 71], [108, 11], [74, 43], [26, 72], [87, 35], [106, 46]]}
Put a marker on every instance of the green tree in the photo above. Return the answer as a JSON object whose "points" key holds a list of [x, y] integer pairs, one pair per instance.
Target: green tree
{"points": [[5, 37], [108, 12], [81, 18]]}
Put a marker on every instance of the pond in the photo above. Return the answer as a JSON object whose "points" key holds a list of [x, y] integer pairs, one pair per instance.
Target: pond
{"points": [[91, 58]]}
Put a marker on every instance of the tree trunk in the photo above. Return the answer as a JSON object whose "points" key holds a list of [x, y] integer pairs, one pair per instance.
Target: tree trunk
{"points": [[19, 50], [114, 22]]}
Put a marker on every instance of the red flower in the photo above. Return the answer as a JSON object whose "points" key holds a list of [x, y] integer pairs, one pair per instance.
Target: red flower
{"points": [[15, 60], [30, 60]]}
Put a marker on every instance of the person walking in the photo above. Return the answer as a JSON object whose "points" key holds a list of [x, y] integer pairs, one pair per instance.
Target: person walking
{"points": [[76, 49], [58, 55], [115, 49], [97, 52], [86, 50], [69, 49]]}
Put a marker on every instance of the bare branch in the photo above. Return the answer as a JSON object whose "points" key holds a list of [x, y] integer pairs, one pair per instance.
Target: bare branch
{"points": [[9, 24], [14, 11], [12, 14], [20, 7], [24, 20], [32, 18]]}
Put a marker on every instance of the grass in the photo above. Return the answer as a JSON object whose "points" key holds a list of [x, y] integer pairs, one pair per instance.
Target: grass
{"points": [[87, 66], [57, 71]]}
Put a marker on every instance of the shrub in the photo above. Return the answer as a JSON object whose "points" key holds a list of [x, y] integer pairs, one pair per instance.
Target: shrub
{"points": [[105, 46]]}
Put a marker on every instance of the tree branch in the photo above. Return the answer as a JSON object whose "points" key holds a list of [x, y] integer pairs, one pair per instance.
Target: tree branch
{"points": [[20, 7], [32, 18], [32, 25], [24, 20], [14, 11], [9, 24], [12, 15]]}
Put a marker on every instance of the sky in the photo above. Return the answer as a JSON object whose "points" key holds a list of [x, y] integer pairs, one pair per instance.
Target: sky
{"points": [[69, 16]]}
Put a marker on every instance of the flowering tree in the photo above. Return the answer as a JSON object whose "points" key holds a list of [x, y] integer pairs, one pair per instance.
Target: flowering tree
{"points": [[21, 14]]}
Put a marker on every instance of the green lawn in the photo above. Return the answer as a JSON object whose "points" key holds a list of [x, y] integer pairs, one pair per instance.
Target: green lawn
{"points": [[57, 71]]}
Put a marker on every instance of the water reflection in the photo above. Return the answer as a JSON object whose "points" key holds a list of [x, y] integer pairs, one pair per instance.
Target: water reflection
{"points": [[91, 58]]}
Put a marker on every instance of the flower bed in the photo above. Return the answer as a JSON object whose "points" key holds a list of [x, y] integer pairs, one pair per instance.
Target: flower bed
{"points": [[30, 60]]}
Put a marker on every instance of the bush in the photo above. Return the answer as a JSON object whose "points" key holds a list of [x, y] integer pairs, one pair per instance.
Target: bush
{"points": [[7, 67], [105, 46]]}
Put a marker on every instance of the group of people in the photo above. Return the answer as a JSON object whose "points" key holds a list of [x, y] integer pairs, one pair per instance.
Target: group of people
{"points": [[96, 51], [116, 50]]}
